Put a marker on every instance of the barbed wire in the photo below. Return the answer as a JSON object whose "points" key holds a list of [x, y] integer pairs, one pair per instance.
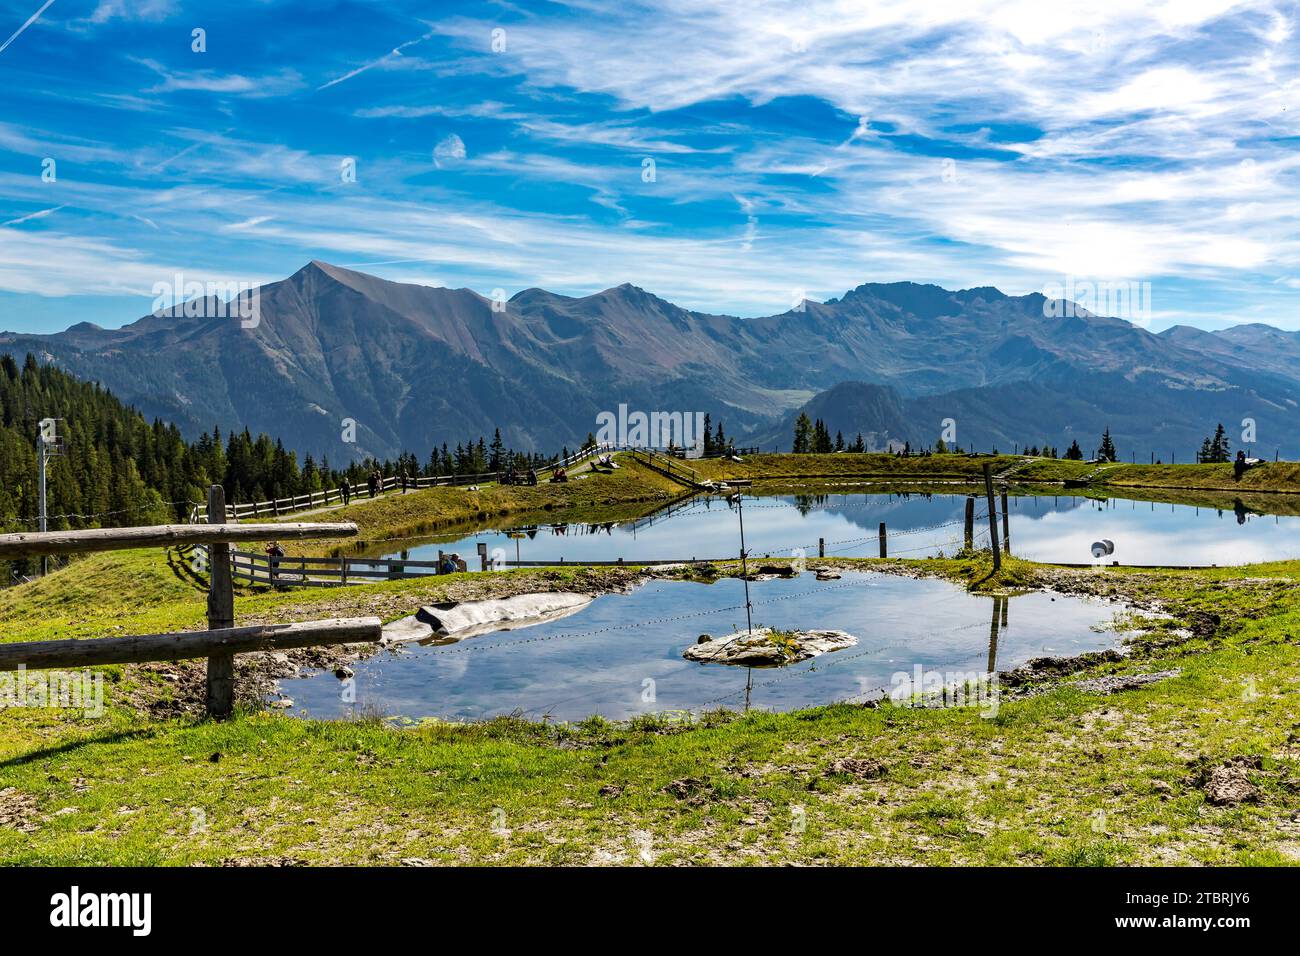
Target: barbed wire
{"points": [[469, 647], [103, 514]]}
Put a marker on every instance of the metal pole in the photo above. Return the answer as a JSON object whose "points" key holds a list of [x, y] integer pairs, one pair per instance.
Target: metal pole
{"points": [[40, 457], [744, 564]]}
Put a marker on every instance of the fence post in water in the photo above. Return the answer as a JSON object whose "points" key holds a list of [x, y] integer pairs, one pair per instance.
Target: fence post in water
{"points": [[221, 613], [970, 522], [343, 570], [884, 550], [482, 556], [1006, 526], [993, 519], [821, 547]]}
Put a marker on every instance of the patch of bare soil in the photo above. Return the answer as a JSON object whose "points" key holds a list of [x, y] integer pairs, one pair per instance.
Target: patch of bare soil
{"points": [[18, 810], [1228, 783], [857, 767]]}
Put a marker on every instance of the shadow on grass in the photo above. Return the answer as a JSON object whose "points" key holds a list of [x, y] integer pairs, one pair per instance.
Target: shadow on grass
{"points": [[179, 562], [71, 746]]}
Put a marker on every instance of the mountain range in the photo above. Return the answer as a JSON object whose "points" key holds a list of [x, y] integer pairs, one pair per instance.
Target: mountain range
{"points": [[414, 366]]}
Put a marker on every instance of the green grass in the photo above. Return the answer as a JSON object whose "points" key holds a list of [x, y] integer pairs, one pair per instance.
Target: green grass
{"points": [[811, 470], [1029, 786], [396, 516], [1067, 777]]}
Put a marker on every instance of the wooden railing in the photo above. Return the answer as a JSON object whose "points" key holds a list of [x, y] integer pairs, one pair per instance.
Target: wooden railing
{"points": [[671, 468], [304, 572], [222, 640], [275, 507]]}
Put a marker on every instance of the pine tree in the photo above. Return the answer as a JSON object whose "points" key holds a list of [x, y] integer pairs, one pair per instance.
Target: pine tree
{"points": [[496, 460], [1220, 449], [802, 434], [1107, 450]]}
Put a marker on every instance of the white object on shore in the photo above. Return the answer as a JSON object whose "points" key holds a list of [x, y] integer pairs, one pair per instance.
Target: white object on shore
{"points": [[455, 622]]}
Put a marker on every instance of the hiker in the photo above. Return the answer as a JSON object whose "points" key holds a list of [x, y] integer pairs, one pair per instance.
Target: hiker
{"points": [[403, 479], [346, 490], [372, 484], [532, 476], [275, 553], [1239, 466]]}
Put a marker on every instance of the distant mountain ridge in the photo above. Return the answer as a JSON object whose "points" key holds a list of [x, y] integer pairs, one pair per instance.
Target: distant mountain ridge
{"points": [[415, 366]]}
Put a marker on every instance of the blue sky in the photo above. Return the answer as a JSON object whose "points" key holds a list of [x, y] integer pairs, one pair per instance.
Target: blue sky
{"points": [[798, 149]]}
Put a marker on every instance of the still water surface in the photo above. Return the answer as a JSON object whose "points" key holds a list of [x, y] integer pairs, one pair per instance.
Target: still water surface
{"points": [[1057, 529], [621, 656]]}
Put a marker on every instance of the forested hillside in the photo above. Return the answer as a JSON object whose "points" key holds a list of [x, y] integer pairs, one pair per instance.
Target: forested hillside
{"points": [[118, 469]]}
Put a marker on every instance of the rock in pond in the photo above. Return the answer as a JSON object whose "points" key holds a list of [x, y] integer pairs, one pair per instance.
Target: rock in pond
{"points": [[768, 648]]}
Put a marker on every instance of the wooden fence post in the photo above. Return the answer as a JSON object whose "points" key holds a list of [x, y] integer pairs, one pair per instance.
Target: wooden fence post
{"points": [[884, 549], [821, 547], [970, 522], [221, 614], [993, 518], [1006, 524]]}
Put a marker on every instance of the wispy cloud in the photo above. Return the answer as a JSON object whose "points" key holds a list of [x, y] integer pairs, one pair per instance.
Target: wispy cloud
{"points": [[27, 23], [41, 214], [813, 145], [389, 57], [211, 81]]}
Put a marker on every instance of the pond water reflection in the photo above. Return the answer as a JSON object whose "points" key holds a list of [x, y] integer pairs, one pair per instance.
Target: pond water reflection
{"points": [[1043, 528], [621, 656]]}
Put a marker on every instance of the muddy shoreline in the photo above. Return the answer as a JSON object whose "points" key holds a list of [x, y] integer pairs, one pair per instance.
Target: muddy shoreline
{"points": [[1158, 622]]}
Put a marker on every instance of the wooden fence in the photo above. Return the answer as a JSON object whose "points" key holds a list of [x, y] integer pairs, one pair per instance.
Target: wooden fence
{"points": [[222, 640], [672, 468], [275, 507], [302, 572]]}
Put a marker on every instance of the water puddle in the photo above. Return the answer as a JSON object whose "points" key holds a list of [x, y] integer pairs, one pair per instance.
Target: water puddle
{"points": [[621, 655]]}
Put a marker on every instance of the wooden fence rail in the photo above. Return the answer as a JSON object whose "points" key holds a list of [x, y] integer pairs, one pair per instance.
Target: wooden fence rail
{"points": [[222, 640], [321, 499], [304, 572], [37, 543], [186, 644]]}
